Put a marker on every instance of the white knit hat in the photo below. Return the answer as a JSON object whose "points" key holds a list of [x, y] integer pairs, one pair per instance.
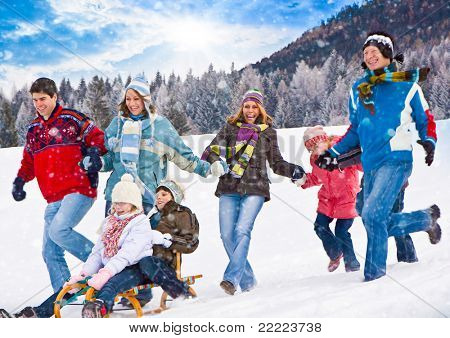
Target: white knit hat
{"points": [[313, 135], [175, 190], [127, 191]]}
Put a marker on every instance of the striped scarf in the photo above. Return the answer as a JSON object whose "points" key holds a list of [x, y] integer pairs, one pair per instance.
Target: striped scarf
{"points": [[130, 144], [387, 74], [114, 229], [247, 137]]}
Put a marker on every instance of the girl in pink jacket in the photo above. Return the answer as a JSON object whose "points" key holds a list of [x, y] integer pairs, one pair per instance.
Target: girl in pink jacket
{"points": [[337, 198]]}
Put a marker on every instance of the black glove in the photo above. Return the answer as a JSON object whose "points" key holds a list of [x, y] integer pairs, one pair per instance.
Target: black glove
{"points": [[18, 193], [429, 150], [92, 162], [327, 161], [297, 174]]}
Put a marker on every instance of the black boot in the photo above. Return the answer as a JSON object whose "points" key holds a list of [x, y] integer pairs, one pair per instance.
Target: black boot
{"points": [[434, 232], [5, 314]]}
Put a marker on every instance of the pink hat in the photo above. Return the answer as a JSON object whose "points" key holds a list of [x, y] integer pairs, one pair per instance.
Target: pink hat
{"points": [[314, 135]]}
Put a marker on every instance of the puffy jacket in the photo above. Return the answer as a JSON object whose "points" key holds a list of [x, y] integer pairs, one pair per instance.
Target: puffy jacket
{"points": [[255, 180], [337, 196], [135, 243], [182, 225], [386, 134], [160, 143], [53, 149]]}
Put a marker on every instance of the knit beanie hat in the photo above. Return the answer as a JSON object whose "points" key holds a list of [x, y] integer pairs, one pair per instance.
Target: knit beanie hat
{"points": [[140, 84], [314, 135], [383, 42], [253, 95], [127, 191], [174, 188]]}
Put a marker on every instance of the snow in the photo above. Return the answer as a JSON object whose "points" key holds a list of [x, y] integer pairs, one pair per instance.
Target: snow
{"points": [[287, 257]]}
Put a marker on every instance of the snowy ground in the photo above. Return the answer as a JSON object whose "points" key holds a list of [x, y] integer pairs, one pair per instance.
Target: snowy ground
{"points": [[285, 253]]}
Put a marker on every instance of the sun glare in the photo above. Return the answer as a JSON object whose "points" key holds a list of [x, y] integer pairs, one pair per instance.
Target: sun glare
{"points": [[190, 35]]}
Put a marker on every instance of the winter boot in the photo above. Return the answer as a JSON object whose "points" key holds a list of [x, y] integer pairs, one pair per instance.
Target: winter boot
{"points": [[434, 232], [5, 314], [228, 287], [95, 309], [334, 263], [352, 267], [28, 312]]}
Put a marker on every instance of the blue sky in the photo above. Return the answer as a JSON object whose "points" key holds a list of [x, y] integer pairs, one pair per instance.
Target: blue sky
{"points": [[81, 38]]}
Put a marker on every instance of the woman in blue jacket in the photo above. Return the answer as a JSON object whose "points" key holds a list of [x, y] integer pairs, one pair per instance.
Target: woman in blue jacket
{"points": [[141, 142]]}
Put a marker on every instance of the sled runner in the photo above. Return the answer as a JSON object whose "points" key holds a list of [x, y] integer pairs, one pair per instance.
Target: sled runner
{"points": [[84, 289]]}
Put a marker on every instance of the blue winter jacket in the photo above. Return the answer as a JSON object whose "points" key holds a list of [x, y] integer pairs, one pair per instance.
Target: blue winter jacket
{"points": [[385, 135], [160, 142]]}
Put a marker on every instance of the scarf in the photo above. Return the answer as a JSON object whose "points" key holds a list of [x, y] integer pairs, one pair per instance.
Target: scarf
{"points": [[247, 137], [387, 74], [130, 145], [114, 229]]}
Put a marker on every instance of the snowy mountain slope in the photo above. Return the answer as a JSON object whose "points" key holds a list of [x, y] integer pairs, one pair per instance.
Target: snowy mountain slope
{"points": [[285, 253]]}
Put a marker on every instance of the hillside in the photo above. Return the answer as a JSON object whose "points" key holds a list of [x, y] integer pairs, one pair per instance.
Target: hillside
{"points": [[412, 22]]}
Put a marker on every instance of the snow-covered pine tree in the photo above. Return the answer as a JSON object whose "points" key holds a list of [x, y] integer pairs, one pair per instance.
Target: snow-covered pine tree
{"points": [[96, 104], [8, 134], [25, 116]]}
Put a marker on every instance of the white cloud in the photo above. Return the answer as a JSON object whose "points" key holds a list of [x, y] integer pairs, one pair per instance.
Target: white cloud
{"points": [[193, 41], [7, 55], [23, 29]]}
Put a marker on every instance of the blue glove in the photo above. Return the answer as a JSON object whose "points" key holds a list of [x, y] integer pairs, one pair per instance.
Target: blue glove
{"points": [[18, 193], [327, 161]]}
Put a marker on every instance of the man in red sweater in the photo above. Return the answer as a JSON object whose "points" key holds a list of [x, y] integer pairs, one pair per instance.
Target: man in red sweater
{"points": [[62, 151]]}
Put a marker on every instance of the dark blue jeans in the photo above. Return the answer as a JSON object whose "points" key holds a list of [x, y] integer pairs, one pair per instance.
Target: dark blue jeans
{"points": [[159, 272], [144, 295], [406, 252], [338, 243], [123, 281]]}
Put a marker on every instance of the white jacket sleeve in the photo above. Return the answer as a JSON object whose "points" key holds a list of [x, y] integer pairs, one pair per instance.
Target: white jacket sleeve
{"points": [[94, 262], [138, 240]]}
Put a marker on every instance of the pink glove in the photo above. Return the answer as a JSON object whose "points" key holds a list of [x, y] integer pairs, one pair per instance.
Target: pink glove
{"points": [[100, 278], [75, 279]]}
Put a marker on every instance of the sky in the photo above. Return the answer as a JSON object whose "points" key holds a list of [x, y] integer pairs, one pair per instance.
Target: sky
{"points": [[74, 39]]}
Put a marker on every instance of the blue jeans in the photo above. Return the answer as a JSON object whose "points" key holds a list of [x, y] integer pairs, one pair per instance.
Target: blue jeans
{"points": [[128, 278], [60, 219], [237, 214], [406, 252], [159, 272], [338, 244], [381, 188]]}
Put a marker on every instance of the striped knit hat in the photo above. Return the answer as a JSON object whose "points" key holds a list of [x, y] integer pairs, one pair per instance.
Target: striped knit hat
{"points": [[140, 84], [253, 95], [314, 135]]}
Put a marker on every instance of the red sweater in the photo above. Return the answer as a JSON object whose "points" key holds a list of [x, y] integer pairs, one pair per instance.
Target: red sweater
{"points": [[53, 150], [337, 196]]}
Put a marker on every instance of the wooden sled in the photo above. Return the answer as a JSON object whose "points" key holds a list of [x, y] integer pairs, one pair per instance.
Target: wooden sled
{"points": [[89, 293]]}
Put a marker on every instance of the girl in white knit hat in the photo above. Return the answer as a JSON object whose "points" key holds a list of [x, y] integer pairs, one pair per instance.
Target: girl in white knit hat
{"points": [[112, 265]]}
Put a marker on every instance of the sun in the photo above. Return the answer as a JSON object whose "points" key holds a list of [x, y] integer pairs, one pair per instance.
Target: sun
{"points": [[190, 34]]}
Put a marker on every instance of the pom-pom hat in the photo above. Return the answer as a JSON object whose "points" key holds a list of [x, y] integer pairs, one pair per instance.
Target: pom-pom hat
{"points": [[126, 191]]}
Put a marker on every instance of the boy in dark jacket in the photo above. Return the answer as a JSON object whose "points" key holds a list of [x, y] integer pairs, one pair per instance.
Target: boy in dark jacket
{"points": [[169, 216]]}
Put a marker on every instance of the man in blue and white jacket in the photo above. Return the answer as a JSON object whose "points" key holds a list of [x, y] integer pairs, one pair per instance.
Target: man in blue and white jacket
{"points": [[382, 106]]}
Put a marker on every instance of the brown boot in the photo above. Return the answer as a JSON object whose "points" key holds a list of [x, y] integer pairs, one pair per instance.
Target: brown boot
{"points": [[228, 287]]}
